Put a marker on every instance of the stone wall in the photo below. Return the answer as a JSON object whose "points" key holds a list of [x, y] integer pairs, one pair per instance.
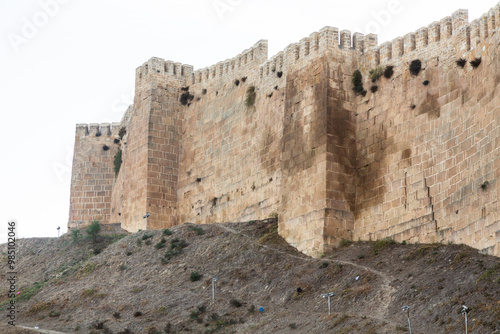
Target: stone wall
{"points": [[427, 142], [93, 174]]}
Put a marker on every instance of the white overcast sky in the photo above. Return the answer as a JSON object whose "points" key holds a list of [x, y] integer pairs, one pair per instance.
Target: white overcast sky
{"points": [[74, 62]]}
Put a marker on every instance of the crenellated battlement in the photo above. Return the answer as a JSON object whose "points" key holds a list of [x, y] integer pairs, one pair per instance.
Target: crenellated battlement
{"points": [[466, 36], [163, 71], [96, 129], [327, 39], [247, 60]]}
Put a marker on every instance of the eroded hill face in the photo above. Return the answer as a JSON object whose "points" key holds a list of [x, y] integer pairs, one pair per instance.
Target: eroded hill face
{"points": [[157, 282]]}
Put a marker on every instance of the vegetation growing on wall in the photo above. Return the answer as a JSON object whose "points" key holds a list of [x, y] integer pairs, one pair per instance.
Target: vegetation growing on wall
{"points": [[415, 67], [357, 83], [376, 73], [389, 71], [117, 162], [186, 98], [251, 94], [476, 62], [122, 132], [461, 62]]}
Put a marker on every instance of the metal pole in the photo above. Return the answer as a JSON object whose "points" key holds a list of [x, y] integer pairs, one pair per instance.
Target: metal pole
{"points": [[329, 310], [407, 309], [328, 295], [466, 327], [213, 289], [465, 310]]}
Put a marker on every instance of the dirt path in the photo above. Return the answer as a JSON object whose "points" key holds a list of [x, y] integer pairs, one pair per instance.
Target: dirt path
{"points": [[386, 291], [46, 331]]}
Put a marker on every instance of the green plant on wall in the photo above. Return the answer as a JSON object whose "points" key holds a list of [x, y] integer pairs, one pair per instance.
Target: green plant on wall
{"points": [[251, 94], [376, 73], [357, 83], [117, 162]]}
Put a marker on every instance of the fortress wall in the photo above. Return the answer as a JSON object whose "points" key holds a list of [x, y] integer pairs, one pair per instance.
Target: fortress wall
{"points": [[230, 153], [148, 174], [92, 175], [423, 151], [406, 161]]}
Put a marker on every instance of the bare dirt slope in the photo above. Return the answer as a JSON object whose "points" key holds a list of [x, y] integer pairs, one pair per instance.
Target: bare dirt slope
{"points": [[151, 282]]}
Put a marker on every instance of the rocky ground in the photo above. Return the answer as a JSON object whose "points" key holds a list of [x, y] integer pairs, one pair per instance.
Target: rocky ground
{"points": [[157, 282]]}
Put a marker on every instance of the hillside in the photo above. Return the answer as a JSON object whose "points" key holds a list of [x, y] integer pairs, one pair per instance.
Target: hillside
{"points": [[141, 284]]}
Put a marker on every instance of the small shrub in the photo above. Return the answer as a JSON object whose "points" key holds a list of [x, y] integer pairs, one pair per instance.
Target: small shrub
{"points": [[198, 179], [198, 230], [122, 132], [274, 215], [345, 243], [176, 243], [93, 230], [362, 256], [250, 97], [476, 62], [426, 82], [413, 106], [415, 67], [105, 148], [235, 303], [116, 315], [461, 62], [195, 276], [186, 98], [139, 242], [275, 87], [129, 253], [323, 265], [160, 245], [374, 88], [123, 267], [243, 79], [75, 235], [382, 244], [54, 314], [185, 89], [484, 185], [148, 242], [292, 325], [388, 71], [147, 236], [357, 82], [279, 74], [237, 82], [251, 309], [117, 162], [167, 232], [270, 95], [97, 250], [116, 141], [376, 73], [204, 91], [137, 314]]}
